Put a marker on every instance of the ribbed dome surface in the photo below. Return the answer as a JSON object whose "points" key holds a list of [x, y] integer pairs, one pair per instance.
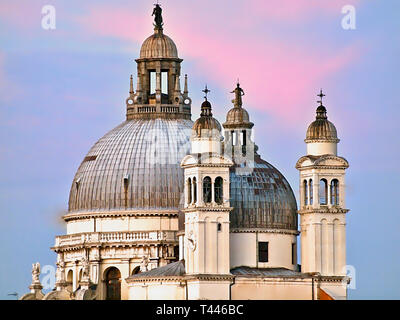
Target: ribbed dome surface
{"points": [[205, 123], [158, 45], [322, 129], [262, 199], [148, 153], [237, 115]]}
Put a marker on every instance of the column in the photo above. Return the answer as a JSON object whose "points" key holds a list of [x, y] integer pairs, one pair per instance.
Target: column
{"points": [[212, 191], [192, 189], [315, 191], [329, 202], [158, 86]]}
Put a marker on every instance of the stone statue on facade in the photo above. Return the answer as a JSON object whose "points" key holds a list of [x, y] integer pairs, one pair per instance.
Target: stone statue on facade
{"points": [[35, 273], [60, 272], [144, 264], [157, 13], [238, 96], [85, 269]]}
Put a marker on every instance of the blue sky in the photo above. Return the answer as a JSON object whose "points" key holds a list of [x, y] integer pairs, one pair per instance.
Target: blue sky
{"points": [[61, 90]]}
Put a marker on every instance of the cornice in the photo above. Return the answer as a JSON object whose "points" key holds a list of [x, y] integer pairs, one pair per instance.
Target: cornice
{"points": [[207, 209], [120, 213], [332, 210], [101, 245], [263, 230]]}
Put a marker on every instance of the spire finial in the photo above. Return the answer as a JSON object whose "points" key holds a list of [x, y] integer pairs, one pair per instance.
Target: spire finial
{"points": [[206, 105], [238, 91], [206, 91], [320, 95], [131, 87], [185, 89], [321, 110]]}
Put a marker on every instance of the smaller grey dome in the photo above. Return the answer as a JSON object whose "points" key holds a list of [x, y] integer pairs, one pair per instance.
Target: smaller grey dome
{"points": [[237, 117], [321, 129], [158, 46], [206, 124]]}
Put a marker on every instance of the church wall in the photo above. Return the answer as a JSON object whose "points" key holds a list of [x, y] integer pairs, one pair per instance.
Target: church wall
{"points": [[244, 250], [279, 289], [123, 267], [79, 226], [116, 224], [336, 291], [209, 290], [198, 145], [157, 290], [320, 148]]}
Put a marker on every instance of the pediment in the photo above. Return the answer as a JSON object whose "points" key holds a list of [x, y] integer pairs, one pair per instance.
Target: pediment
{"points": [[323, 160]]}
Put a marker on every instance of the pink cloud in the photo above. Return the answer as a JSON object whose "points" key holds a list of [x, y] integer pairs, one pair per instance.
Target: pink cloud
{"points": [[298, 9], [115, 22], [279, 77], [23, 15]]}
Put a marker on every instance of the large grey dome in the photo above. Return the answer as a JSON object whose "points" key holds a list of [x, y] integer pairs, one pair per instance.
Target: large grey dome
{"points": [[262, 199], [138, 161], [148, 154]]}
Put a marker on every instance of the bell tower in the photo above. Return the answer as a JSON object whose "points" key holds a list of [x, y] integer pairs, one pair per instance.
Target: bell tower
{"points": [[207, 207], [322, 199]]}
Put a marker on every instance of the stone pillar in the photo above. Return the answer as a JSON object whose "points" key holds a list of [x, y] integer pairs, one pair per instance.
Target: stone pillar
{"points": [[158, 86], [212, 191], [192, 189]]}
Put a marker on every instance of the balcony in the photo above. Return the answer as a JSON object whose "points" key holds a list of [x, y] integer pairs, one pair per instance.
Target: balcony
{"points": [[129, 237]]}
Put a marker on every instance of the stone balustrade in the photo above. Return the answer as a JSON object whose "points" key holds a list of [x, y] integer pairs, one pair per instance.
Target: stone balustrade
{"points": [[114, 237]]}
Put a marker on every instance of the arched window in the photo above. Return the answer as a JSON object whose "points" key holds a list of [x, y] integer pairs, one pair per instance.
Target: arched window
{"points": [[113, 284], [153, 80], [323, 192], [310, 185], [194, 190], [70, 277], [207, 189], [234, 138], [243, 139], [189, 191], [219, 227], [335, 192], [218, 190], [136, 270], [126, 185], [305, 186]]}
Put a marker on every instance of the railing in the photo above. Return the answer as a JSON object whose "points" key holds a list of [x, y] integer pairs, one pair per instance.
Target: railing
{"points": [[146, 109], [111, 237], [170, 109]]}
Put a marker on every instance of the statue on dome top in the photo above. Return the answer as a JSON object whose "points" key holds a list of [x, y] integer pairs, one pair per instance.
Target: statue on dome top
{"points": [[238, 96], [157, 13]]}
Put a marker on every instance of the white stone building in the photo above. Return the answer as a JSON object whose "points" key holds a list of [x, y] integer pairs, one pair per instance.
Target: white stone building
{"points": [[164, 208]]}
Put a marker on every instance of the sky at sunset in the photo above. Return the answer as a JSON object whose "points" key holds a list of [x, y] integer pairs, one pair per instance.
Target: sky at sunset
{"points": [[63, 89]]}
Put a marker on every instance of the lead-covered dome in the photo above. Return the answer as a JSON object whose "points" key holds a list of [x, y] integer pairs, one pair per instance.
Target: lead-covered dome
{"points": [[262, 199], [237, 116], [158, 45], [134, 166], [206, 125], [321, 129]]}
